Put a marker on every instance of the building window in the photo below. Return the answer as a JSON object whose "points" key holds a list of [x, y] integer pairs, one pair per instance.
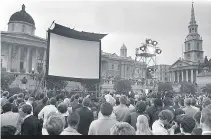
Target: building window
{"points": [[198, 55], [13, 26], [192, 28], [197, 46], [189, 30], [112, 66], [188, 46], [195, 29], [118, 67], [23, 28], [127, 68]]}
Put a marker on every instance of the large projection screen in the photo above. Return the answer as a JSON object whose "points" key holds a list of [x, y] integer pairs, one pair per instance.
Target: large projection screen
{"points": [[73, 58]]}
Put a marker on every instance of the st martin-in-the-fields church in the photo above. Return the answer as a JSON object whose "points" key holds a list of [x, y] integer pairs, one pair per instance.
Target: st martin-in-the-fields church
{"points": [[187, 69]]}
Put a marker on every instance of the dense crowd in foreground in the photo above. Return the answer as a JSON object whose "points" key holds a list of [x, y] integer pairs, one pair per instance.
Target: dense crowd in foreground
{"points": [[108, 115]]}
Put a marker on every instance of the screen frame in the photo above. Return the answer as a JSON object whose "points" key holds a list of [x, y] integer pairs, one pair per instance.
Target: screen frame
{"points": [[69, 78]]}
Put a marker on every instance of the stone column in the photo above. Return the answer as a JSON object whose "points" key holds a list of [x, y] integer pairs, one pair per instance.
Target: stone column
{"points": [[182, 75], [18, 58], [44, 60], [35, 60], [178, 74], [187, 75], [191, 75], [9, 58], [175, 76], [28, 60]]}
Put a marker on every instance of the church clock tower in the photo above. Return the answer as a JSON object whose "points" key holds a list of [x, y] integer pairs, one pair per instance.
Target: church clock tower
{"points": [[193, 42]]}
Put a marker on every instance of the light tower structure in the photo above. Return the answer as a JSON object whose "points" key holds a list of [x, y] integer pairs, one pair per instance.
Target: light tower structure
{"points": [[147, 53]]}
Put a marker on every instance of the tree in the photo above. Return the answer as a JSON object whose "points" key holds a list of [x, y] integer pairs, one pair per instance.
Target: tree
{"points": [[6, 80], [207, 89], [55, 83], [162, 87], [188, 88], [123, 87]]}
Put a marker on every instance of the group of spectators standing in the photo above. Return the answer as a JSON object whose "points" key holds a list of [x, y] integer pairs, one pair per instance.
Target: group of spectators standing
{"points": [[108, 115]]}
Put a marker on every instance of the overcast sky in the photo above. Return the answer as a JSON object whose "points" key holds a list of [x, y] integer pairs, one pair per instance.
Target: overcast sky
{"points": [[128, 22]]}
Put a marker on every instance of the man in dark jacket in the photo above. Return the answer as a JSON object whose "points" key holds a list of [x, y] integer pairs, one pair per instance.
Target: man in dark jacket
{"points": [[40, 106], [86, 117], [31, 125]]}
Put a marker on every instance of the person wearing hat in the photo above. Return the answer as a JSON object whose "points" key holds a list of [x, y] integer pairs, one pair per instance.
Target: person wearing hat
{"points": [[106, 121]]}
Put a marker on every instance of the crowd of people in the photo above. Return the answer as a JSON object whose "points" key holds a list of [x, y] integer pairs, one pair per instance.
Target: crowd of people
{"points": [[22, 114]]}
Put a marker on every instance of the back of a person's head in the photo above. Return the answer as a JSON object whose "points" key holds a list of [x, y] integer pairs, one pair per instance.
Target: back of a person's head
{"points": [[5, 94], [27, 109], [206, 116], [132, 101], [206, 101], [193, 101], [106, 109], [41, 96], [176, 99], [122, 128], [15, 96], [73, 119], [55, 125], [158, 102], [167, 102], [76, 96], [187, 123], [140, 106], [53, 101], [143, 125], [11, 99], [187, 101], [62, 107], [178, 112], [45, 100], [8, 130], [123, 99], [21, 95], [86, 102], [7, 107], [166, 115], [31, 99], [80, 100], [26, 97], [197, 117], [117, 101]]}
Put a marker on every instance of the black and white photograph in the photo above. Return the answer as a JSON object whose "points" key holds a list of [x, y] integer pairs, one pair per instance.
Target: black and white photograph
{"points": [[105, 67]]}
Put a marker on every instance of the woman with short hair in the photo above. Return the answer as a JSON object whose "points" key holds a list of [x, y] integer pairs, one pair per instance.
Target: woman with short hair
{"points": [[142, 126]]}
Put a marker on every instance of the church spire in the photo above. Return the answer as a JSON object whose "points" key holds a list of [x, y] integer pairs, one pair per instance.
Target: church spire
{"points": [[192, 21]]}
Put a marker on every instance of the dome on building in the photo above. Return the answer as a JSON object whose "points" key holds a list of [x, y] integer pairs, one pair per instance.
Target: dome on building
{"points": [[123, 47], [22, 16]]}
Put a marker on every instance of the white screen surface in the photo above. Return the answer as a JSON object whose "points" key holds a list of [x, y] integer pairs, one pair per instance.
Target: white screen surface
{"points": [[73, 58]]}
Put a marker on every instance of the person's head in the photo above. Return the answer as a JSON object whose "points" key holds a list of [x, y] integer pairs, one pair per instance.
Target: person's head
{"points": [[140, 106], [205, 102], [41, 96], [5, 94], [122, 128], [187, 101], [76, 97], [132, 101], [7, 107], [106, 109], [80, 100], [193, 101], [11, 99], [45, 100], [67, 101], [166, 116], [178, 112], [117, 101], [62, 107], [86, 102], [15, 96], [19, 100], [73, 119], [8, 130], [142, 125], [53, 101], [158, 102], [197, 117], [167, 102], [187, 124], [21, 95], [176, 100], [123, 100], [25, 109], [26, 97], [31, 100], [55, 124], [205, 120]]}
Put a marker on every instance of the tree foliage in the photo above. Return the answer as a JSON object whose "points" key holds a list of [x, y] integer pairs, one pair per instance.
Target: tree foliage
{"points": [[188, 88], [207, 88], [123, 87], [6, 80], [55, 83], [162, 87]]}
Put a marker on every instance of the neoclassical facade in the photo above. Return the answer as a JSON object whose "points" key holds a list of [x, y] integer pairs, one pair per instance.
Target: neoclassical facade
{"points": [[187, 69], [23, 52]]}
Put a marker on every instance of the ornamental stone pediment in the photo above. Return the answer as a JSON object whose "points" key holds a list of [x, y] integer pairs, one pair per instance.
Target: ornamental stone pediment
{"points": [[180, 64]]}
